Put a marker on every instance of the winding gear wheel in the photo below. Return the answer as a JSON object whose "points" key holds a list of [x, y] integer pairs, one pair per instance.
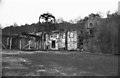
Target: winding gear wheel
{"points": [[47, 17], [49, 21]]}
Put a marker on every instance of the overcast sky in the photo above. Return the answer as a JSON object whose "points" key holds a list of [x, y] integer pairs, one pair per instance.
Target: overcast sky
{"points": [[28, 11]]}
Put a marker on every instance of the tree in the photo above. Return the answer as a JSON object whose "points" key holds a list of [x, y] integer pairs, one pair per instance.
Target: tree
{"points": [[100, 14], [59, 20], [107, 35], [15, 24]]}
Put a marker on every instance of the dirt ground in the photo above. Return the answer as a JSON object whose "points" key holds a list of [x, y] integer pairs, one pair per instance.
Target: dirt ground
{"points": [[58, 63]]}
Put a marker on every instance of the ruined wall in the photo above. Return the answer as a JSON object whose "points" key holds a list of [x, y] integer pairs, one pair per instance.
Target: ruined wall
{"points": [[72, 40], [55, 41], [52, 41], [61, 43]]}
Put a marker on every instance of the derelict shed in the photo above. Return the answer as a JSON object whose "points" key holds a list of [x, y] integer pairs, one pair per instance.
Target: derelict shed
{"points": [[31, 42], [19, 41], [5, 41], [10, 41]]}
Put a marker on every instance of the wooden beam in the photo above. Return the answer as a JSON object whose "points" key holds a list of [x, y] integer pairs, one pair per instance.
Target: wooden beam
{"points": [[35, 44], [29, 44], [40, 44], [10, 43], [20, 45], [7, 41], [25, 46], [3, 45]]}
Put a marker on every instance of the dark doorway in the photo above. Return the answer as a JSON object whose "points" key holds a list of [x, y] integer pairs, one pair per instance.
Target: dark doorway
{"points": [[53, 44]]}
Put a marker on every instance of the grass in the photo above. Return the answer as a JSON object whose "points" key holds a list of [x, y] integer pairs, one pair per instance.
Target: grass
{"points": [[57, 64]]}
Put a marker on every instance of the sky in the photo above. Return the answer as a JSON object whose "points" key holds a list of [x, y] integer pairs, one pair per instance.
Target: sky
{"points": [[28, 11]]}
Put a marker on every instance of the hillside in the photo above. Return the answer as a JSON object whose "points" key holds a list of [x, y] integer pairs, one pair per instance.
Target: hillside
{"points": [[41, 27]]}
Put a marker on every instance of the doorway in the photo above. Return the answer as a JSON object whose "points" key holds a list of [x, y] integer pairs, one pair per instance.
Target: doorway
{"points": [[53, 43]]}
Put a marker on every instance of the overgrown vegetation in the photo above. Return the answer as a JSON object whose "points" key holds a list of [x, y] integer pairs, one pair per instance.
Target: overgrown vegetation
{"points": [[107, 34]]}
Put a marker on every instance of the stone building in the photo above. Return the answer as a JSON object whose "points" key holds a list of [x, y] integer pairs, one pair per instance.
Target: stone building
{"points": [[56, 40]]}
